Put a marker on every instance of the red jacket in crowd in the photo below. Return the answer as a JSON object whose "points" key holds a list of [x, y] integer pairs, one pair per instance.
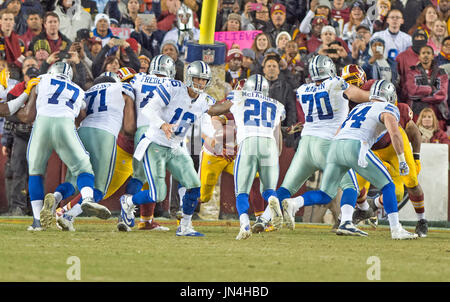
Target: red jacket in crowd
{"points": [[404, 61]]}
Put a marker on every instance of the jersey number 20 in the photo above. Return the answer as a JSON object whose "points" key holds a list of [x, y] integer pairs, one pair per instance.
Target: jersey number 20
{"points": [[257, 114]]}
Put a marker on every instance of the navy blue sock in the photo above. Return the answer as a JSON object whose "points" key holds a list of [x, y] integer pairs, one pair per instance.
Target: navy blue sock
{"points": [[190, 200], [133, 186], [142, 197], [389, 198], [66, 189], [36, 187], [242, 204], [316, 197], [283, 193], [349, 197]]}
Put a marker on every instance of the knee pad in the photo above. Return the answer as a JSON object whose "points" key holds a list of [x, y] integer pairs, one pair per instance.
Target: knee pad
{"points": [[283, 193], [242, 203], [66, 189], [134, 186], [85, 180], [190, 200], [36, 187], [349, 197], [98, 195]]}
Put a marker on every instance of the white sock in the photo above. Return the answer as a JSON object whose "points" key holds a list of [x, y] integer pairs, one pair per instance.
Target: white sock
{"points": [[186, 220], [58, 197], [377, 203], [393, 220], [181, 193], [363, 206], [266, 217], [36, 206], [420, 216], [346, 213], [244, 220], [87, 192], [75, 211], [298, 203]]}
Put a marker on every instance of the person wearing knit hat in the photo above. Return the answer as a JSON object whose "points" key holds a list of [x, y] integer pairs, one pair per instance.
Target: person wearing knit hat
{"points": [[102, 28], [233, 23], [277, 22], [134, 45], [282, 39], [233, 67], [145, 63], [170, 48]]}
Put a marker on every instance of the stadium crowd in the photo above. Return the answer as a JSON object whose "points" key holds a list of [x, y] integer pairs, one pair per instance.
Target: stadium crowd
{"points": [[405, 42]]}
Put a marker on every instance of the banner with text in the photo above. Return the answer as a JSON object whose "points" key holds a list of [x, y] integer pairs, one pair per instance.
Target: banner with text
{"points": [[243, 38]]}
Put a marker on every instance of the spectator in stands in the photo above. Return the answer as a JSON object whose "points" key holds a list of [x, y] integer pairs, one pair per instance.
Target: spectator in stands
{"points": [[259, 19], [360, 46], [261, 43], [427, 86], [428, 125], [79, 48], [314, 41], [233, 23], [395, 40], [332, 48], [281, 40], [170, 48], [233, 67], [168, 18], [15, 6], [12, 48], [127, 20], [426, 20], [444, 56], [295, 64], [413, 8], [295, 11], [357, 17], [51, 36], [409, 58], [282, 91], [383, 7], [377, 66], [90, 6], [248, 62], [437, 35], [34, 28], [149, 37], [145, 63], [340, 13], [102, 30], [277, 23], [444, 9], [154, 7], [72, 17], [318, 7], [95, 46]]}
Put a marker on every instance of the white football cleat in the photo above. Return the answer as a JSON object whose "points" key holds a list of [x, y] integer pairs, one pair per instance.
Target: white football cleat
{"points": [[65, 222], [127, 210], [349, 229], [46, 213], [91, 208], [288, 213], [275, 212], [399, 233], [244, 232], [188, 231]]}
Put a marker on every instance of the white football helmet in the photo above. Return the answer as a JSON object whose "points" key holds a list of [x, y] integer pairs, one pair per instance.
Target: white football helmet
{"points": [[110, 74], [163, 65], [257, 82], [321, 68], [384, 91], [61, 68], [198, 69]]}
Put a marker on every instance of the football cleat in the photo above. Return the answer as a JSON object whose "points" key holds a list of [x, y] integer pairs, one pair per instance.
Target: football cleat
{"points": [[46, 214], [288, 214], [360, 215], [275, 212], [258, 226], [91, 208], [399, 233], [347, 228], [65, 222], [422, 228], [127, 210], [152, 226], [36, 226], [244, 232], [188, 231]]}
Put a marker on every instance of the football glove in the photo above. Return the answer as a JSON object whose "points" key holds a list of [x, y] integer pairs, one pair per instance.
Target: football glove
{"points": [[418, 166], [298, 127], [4, 77], [403, 167], [31, 83]]}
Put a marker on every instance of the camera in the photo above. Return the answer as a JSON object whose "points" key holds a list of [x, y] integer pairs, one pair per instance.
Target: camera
{"points": [[331, 50], [63, 54]]}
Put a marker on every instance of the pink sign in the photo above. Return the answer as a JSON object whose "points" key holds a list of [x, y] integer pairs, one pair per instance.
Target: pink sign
{"points": [[122, 32], [243, 38]]}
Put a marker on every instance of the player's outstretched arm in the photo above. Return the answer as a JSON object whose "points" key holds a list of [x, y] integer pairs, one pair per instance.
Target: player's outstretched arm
{"points": [[414, 136], [129, 116], [220, 108], [28, 113], [356, 94], [391, 124]]}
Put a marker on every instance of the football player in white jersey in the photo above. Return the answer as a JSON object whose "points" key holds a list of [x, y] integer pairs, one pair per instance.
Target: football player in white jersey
{"points": [[351, 150], [325, 104], [172, 110], [162, 68], [53, 106], [109, 108]]}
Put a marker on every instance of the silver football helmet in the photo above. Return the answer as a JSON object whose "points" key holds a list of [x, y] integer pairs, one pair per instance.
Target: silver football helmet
{"points": [[384, 91], [321, 68], [257, 82], [110, 74], [198, 69], [162, 65], [61, 68]]}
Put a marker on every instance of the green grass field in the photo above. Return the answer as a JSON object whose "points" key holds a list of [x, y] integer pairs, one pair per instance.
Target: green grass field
{"points": [[311, 253]]}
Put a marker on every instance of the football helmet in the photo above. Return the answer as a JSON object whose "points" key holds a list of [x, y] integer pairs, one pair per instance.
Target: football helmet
{"points": [[384, 91], [198, 69], [321, 68], [126, 73], [163, 65], [111, 75], [61, 68], [257, 82], [353, 74]]}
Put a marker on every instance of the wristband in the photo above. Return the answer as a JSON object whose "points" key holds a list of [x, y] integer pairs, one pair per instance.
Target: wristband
{"points": [[416, 156], [401, 157]]}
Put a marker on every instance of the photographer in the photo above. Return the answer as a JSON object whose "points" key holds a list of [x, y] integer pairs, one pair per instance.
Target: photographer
{"points": [[377, 66], [333, 48], [360, 45], [148, 35]]}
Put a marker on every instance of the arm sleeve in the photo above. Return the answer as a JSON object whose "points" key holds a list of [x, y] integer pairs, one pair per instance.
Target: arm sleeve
{"points": [[305, 26]]}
